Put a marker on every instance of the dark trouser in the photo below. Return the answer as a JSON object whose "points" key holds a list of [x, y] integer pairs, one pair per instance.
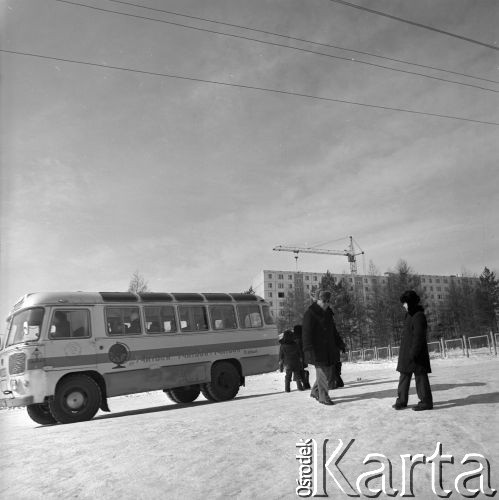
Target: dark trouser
{"points": [[423, 389], [287, 379], [320, 389], [336, 380], [304, 374]]}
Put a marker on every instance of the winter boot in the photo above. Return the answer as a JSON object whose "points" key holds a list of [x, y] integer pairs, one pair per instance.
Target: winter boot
{"points": [[287, 386], [299, 385], [306, 383]]}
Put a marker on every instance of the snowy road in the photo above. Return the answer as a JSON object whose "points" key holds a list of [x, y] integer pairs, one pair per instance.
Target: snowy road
{"points": [[151, 448]]}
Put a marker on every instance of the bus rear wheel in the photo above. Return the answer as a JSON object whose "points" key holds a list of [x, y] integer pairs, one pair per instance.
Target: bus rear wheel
{"points": [[185, 394], [77, 398], [40, 413], [224, 384]]}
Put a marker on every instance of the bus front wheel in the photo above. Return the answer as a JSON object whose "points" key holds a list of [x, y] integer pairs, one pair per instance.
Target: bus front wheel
{"points": [[40, 413], [224, 384], [77, 398], [186, 394]]}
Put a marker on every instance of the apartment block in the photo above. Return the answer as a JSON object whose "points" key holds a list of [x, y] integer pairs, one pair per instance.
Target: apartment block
{"points": [[274, 286]]}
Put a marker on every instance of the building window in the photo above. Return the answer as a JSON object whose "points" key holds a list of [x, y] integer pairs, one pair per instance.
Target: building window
{"points": [[290, 285], [270, 285], [269, 275], [315, 278], [280, 285], [307, 278], [423, 280], [307, 287], [290, 276], [437, 280], [280, 276], [280, 295], [270, 294], [367, 288]]}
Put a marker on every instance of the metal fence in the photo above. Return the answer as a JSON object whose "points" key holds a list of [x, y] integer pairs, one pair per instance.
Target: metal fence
{"points": [[463, 346], [454, 347]]}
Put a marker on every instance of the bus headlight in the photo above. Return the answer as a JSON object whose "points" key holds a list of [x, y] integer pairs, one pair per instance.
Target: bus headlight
{"points": [[13, 385]]}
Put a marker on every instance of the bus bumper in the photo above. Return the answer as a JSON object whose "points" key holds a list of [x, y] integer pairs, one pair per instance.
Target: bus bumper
{"points": [[14, 402]]}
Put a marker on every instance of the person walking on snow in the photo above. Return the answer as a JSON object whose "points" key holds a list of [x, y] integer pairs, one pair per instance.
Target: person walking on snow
{"points": [[321, 344], [290, 359], [413, 355]]}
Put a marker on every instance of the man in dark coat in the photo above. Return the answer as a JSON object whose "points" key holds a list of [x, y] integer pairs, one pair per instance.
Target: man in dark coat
{"points": [[290, 359], [413, 355], [321, 344]]}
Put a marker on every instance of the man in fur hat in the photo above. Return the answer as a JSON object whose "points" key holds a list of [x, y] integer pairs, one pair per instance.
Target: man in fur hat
{"points": [[413, 355], [321, 344]]}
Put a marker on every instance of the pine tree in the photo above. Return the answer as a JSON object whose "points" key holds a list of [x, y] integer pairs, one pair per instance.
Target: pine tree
{"points": [[487, 300], [403, 278], [344, 310]]}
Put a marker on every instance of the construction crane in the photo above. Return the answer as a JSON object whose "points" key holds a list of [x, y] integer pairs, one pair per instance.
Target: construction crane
{"points": [[350, 253]]}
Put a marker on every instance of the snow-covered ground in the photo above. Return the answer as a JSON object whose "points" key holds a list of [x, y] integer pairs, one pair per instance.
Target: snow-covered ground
{"points": [[151, 448]]}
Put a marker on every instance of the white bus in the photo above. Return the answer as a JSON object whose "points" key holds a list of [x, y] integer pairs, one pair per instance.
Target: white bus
{"points": [[64, 354]]}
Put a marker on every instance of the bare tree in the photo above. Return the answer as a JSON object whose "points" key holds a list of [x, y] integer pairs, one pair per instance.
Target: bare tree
{"points": [[138, 284]]}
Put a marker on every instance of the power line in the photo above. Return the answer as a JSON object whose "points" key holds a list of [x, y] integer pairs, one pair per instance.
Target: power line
{"points": [[413, 23], [250, 87], [278, 45], [436, 68]]}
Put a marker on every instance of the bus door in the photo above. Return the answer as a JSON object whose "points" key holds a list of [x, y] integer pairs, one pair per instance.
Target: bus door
{"points": [[70, 340]]}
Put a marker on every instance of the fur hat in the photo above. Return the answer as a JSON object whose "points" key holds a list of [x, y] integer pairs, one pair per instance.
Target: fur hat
{"points": [[410, 297], [323, 295], [287, 336]]}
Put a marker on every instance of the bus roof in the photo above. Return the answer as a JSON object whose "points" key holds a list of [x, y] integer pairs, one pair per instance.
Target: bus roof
{"points": [[88, 298]]}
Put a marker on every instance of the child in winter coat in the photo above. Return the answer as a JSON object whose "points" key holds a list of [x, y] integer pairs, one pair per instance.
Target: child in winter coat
{"points": [[290, 360]]}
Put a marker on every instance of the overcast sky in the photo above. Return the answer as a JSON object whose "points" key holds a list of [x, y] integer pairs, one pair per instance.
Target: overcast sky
{"points": [[107, 171]]}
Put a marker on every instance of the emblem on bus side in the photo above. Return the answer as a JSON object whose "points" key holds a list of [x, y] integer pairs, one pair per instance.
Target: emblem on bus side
{"points": [[118, 354]]}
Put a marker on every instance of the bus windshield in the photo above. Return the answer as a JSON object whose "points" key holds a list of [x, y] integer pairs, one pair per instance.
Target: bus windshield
{"points": [[25, 326]]}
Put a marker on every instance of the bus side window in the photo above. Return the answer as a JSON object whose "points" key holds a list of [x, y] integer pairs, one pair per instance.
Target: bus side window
{"points": [[123, 320], [193, 318], [160, 319], [249, 316], [267, 315], [223, 317], [70, 323]]}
